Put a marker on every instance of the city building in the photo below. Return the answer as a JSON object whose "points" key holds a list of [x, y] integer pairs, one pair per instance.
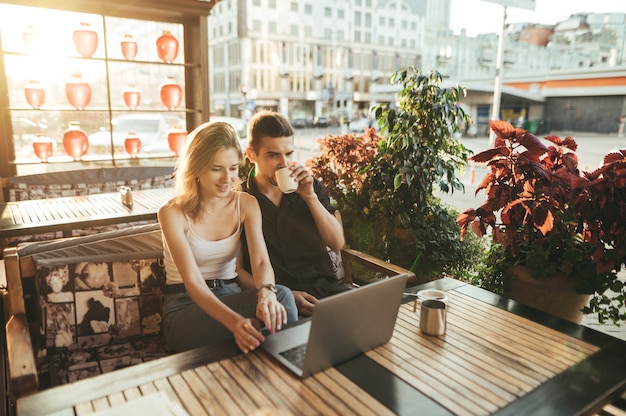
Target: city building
{"points": [[309, 59]]}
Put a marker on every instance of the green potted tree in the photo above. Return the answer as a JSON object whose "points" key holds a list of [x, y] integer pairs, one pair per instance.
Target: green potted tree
{"points": [[384, 184], [554, 244]]}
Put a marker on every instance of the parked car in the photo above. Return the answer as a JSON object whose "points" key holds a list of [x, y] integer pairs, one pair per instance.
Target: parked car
{"points": [[25, 130], [360, 124], [152, 129], [299, 123], [240, 125], [321, 121]]}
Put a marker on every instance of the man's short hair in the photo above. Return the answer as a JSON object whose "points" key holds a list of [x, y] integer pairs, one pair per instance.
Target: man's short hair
{"points": [[267, 124]]}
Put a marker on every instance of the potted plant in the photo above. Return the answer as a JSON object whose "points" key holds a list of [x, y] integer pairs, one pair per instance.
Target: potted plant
{"points": [[384, 183], [550, 225]]}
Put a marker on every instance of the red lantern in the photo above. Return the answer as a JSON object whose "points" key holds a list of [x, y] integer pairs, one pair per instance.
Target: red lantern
{"points": [[132, 96], [85, 40], [78, 92], [42, 145], [129, 47], [33, 40], [176, 139], [75, 142], [171, 94], [167, 47], [132, 144], [35, 94]]}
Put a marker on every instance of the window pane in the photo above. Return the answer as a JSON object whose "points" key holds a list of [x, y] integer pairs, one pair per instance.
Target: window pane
{"points": [[54, 83]]}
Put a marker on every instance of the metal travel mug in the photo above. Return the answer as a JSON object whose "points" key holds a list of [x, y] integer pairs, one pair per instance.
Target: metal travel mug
{"points": [[433, 317]]}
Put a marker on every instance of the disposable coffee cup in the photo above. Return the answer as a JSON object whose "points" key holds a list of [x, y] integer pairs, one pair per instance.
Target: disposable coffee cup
{"points": [[433, 317], [285, 181]]}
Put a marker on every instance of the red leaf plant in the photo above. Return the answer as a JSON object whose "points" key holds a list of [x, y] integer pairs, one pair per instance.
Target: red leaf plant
{"points": [[545, 214]]}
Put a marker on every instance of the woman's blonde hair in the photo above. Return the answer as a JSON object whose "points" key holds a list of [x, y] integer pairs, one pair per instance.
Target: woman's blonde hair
{"points": [[202, 145]]}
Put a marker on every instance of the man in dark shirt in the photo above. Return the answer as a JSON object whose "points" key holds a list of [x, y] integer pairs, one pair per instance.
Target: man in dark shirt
{"points": [[297, 226]]}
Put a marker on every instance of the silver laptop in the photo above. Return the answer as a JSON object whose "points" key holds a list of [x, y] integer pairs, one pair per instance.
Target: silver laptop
{"points": [[342, 326]]}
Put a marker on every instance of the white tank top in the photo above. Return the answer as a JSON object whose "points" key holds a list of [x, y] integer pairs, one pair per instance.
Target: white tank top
{"points": [[216, 259]]}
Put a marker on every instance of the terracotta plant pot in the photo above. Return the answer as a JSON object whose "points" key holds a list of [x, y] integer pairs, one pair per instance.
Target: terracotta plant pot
{"points": [[78, 92], [85, 40], [42, 146], [132, 144], [555, 296], [35, 94], [132, 97], [129, 47], [176, 140], [167, 47], [171, 94], [75, 142]]}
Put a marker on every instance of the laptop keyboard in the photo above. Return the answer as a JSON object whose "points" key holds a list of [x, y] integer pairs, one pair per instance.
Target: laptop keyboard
{"points": [[295, 355]]}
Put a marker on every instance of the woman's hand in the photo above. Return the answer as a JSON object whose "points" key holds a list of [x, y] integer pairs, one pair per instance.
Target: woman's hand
{"points": [[248, 334], [270, 310]]}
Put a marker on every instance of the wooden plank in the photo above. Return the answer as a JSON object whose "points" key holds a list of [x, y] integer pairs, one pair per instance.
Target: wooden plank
{"points": [[420, 381], [475, 359], [148, 388], [222, 397], [233, 389], [301, 390], [439, 359], [116, 398], [290, 391], [186, 395], [533, 330], [252, 384], [132, 393], [360, 402], [203, 393], [101, 403], [520, 344], [163, 385], [84, 409], [16, 214], [242, 368]]}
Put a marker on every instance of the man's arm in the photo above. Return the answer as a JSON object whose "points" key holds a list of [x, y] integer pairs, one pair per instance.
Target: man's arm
{"points": [[329, 228]]}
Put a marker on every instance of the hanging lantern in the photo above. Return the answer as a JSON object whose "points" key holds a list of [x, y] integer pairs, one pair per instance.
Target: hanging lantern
{"points": [[171, 94], [35, 94], [78, 92], [176, 139], [85, 40], [167, 47], [129, 47], [132, 144], [132, 96], [42, 145], [75, 142]]}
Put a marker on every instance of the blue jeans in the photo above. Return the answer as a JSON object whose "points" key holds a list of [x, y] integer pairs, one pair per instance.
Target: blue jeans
{"points": [[186, 326]]}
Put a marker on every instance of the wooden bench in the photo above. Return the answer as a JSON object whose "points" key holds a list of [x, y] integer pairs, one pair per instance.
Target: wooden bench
{"points": [[32, 342]]}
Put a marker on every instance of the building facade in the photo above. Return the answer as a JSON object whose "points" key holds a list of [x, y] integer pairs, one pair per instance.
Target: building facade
{"points": [[334, 58]]}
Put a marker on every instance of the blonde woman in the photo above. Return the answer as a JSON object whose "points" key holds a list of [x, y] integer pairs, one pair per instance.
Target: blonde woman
{"points": [[206, 301]]}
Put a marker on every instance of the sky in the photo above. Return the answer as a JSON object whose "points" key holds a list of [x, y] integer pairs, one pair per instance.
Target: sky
{"points": [[479, 16]]}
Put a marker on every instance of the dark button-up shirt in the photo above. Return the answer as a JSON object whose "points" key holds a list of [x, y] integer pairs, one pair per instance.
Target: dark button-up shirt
{"points": [[298, 255]]}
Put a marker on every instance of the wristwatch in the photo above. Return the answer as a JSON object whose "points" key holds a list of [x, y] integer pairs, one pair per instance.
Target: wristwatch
{"points": [[270, 286]]}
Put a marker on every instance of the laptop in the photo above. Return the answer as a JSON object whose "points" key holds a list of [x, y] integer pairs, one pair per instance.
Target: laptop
{"points": [[342, 326]]}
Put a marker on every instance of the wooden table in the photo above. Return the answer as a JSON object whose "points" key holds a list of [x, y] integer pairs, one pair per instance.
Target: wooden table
{"points": [[497, 357], [71, 213]]}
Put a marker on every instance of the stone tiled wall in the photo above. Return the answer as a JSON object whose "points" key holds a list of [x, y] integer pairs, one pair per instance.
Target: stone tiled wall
{"points": [[86, 182]]}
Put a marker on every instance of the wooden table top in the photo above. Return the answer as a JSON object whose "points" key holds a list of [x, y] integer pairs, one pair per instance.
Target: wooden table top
{"points": [[497, 357], [70, 213]]}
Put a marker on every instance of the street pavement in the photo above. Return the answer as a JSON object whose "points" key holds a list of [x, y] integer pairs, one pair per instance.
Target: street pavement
{"points": [[591, 150]]}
